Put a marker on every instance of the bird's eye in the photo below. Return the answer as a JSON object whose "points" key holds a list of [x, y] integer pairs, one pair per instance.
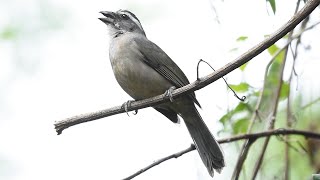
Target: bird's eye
{"points": [[124, 16]]}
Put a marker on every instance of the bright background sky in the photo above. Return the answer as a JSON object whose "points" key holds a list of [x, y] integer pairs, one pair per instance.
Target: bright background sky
{"points": [[58, 66]]}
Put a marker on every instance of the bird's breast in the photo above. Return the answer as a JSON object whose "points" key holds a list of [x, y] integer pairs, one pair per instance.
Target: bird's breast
{"points": [[135, 77]]}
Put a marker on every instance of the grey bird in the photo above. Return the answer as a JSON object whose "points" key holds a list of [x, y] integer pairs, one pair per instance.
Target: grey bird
{"points": [[144, 70]]}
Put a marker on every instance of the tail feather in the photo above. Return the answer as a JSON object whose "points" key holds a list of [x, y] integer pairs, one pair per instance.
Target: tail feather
{"points": [[208, 148]]}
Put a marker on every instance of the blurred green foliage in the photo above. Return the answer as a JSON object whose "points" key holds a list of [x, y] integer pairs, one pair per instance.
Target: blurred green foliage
{"points": [[26, 33], [240, 88], [273, 5], [9, 33], [303, 113], [22, 37], [242, 38]]}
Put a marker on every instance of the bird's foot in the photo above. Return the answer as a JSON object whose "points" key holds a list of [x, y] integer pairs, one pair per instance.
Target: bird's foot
{"points": [[168, 93], [126, 105]]}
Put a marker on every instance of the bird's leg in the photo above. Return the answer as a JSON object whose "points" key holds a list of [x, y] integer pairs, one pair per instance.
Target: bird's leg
{"points": [[168, 93], [126, 105], [135, 112]]}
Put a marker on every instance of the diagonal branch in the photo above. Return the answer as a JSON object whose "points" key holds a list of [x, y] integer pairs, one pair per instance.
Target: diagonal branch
{"points": [[246, 145], [271, 121], [282, 31], [252, 137]]}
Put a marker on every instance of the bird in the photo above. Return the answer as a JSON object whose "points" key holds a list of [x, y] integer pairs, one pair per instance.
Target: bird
{"points": [[144, 70]]}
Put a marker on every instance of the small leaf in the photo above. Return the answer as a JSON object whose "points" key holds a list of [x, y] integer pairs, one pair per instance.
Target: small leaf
{"points": [[241, 126], [233, 49], [9, 33], [242, 67], [240, 107], [286, 36], [284, 94], [273, 49], [273, 74], [273, 5], [242, 38], [224, 119], [242, 87]]}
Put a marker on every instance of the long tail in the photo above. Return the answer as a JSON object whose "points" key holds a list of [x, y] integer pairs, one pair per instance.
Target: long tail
{"points": [[208, 148]]}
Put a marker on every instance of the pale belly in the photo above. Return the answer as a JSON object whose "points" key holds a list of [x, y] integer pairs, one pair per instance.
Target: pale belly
{"points": [[139, 80]]}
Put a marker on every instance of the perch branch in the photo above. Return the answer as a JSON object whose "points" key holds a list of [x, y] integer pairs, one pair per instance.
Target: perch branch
{"points": [[202, 82]]}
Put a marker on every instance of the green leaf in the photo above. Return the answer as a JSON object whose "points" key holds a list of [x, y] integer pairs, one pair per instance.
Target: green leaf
{"points": [[273, 49], [242, 67], [242, 38], [240, 107], [9, 33], [273, 75], [241, 126], [285, 89], [224, 119], [280, 57], [233, 49], [273, 5], [242, 87], [286, 36]]}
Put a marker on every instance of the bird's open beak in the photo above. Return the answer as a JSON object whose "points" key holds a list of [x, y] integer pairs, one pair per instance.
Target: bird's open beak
{"points": [[109, 17]]}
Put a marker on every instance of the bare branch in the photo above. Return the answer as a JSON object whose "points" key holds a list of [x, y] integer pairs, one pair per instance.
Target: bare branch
{"points": [[252, 137], [282, 31], [175, 155]]}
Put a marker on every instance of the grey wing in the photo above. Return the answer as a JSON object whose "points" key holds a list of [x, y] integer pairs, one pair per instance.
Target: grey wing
{"points": [[156, 58]]}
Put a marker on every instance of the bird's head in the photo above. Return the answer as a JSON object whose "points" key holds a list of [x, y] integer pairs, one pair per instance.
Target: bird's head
{"points": [[121, 22]]}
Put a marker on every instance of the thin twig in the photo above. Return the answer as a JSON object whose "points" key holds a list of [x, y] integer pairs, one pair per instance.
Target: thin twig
{"points": [[289, 110], [274, 114], [310, 103], [246, 145], [286, 160], [287, 138], [282, 31], [175, 155], [252, 137], [275, 105], [245, 148], [243, 98]]}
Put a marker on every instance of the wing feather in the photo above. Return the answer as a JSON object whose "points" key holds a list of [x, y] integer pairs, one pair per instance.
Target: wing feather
{"points": [[156, 58]]}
